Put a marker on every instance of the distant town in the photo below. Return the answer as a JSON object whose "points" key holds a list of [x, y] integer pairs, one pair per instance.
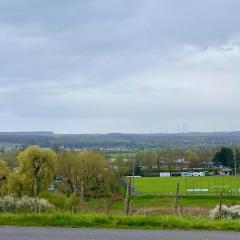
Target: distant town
{"points": [[153, 154], [118, 142]]}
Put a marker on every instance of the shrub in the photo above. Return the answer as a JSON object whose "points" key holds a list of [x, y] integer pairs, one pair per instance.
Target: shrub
{"points": [[227, 212], [73, 203], [24, 204], [57, 199]]}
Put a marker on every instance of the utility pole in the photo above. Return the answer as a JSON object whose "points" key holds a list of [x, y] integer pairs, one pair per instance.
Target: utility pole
{"points": [[158, 158], [133, 170], [235, 161]]}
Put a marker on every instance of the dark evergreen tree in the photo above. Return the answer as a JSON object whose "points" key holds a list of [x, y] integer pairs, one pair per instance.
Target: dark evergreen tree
{"points": [[225, 157]]}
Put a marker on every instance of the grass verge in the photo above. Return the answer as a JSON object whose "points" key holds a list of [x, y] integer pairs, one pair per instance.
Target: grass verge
{"points": [[104, 221]]}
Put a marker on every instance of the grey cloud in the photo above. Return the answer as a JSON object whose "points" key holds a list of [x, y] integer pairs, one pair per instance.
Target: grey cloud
{"points": [[109, 63]]}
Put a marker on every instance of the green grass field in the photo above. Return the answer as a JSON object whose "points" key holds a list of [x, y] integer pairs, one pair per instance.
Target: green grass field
{"points": [[167, 185]]}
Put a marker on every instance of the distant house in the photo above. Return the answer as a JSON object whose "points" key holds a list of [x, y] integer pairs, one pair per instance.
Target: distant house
{"points": [[180, 161], [208, 165], [224, 171]]}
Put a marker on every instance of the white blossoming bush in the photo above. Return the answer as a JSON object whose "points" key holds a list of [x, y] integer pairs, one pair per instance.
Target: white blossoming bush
{"points": [[8, 204], [227, 212], [215, 213], [235, 211], [24, 204]]}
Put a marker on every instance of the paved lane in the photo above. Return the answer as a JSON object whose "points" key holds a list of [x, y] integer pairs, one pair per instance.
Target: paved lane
{"points": [[30, 233]]}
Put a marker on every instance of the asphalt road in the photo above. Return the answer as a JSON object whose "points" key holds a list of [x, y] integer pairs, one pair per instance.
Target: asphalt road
{"points": [[30, 233]]}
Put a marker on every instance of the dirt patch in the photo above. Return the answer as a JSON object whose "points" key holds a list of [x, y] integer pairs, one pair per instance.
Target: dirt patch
{"points": [[187, 211]]}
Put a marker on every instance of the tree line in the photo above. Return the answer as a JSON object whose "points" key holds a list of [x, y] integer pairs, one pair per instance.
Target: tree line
{"points": [[147, 162], [84, 174]]}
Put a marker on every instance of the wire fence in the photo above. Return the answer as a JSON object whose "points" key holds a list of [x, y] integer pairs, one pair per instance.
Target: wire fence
{"points": [[212, 185], [124, 184]]}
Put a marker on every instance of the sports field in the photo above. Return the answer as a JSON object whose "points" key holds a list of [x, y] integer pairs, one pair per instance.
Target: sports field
{"points": [[187, 185]]}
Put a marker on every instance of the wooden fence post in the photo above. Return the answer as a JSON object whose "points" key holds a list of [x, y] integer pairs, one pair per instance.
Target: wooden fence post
{"points": [[128, 195], [177, 197], [220, 205]]}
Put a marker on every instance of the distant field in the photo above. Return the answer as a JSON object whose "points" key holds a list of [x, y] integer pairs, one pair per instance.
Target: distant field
{"points": [[167, 185], [121, 154], [10, 158]]}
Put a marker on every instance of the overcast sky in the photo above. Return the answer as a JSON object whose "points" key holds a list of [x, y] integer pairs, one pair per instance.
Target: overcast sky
{"points": [[91, 66]]}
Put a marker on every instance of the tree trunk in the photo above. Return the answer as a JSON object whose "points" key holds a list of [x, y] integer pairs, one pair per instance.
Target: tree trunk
{"points": [[82, 195], [35, 194]]}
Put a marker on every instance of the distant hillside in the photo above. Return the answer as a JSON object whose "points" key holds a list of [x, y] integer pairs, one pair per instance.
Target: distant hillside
{"points": [[25, 138], [26, 133], [123, 141]]}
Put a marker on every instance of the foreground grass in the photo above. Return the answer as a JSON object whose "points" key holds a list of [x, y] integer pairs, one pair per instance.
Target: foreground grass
{"points": [[104, 221]]}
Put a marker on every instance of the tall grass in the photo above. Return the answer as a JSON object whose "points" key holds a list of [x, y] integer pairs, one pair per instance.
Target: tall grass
{"points": [[100, 220]]}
